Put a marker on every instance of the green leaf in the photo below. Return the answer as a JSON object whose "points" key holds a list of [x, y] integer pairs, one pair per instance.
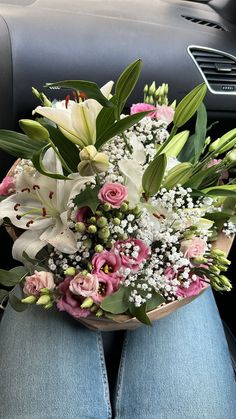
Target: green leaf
{"points": [[116, 303], [195, 144], [105, 119], [16, 303], [189, 105], [217, 216], [37, 160], [119, 127], [3, 295], [140, 313], [126, 83], [91, 89], [67, 150], [153, 175], [196, 180], [229, 205], [12, 277], [173, 148], [155, 301], [177, 175], [88, 198], [226, 190], [18, 145]]}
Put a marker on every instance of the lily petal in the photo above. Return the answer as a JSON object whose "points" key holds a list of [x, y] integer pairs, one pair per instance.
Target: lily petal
{"points": [[28, 242]]}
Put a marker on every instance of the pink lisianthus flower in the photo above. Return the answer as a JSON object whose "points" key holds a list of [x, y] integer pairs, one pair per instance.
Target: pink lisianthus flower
{"points": [[214, 162], [106, 267], [132, 252], [7, 186], [34, 283], [165, 113], [194, 247], [143, 107], [84, 285], [195, 288], [170, 274], [70, 302], [113, 193], [107, 285]]}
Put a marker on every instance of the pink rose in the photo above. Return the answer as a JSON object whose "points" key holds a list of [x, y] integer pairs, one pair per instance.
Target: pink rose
{"points": [[113, 193], [70, 302], [194, 288], [214, 162], [132, 252], [143, 107], [34, 283], [193, 248], [85, 285], [165, 113], [7, 186]]}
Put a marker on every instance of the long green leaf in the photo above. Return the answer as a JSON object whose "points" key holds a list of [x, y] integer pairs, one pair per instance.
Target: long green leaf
{"points": [[19, 145], [140, 313], [174, 147], [189, 105], [126, 83], [226, 190], [68, 150], [153, 175], [91, 89], [177, 175], [119, 127], [105, 119], [195, 144], [37, 160]]}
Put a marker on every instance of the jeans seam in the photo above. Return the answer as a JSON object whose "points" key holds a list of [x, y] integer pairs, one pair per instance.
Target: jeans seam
{"points": [[104, 374], [120, 377]]}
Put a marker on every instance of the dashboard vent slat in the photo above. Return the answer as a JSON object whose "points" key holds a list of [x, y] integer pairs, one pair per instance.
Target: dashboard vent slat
{"points": [[203, 22], [218, 68]]}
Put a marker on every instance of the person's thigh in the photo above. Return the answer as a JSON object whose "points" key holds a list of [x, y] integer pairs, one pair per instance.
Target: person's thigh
{"points": [[179, 368], [50, 367]]}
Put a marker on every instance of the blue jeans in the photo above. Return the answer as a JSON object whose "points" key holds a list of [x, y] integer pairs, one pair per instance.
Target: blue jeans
{"points": [[180, 368]]}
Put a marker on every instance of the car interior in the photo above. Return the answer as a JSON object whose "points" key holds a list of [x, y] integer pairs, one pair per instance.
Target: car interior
{"points": [[181, 42]]}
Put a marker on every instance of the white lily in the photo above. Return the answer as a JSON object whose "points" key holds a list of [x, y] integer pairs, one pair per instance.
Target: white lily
{"points": [[78, 120], [41, 206]]}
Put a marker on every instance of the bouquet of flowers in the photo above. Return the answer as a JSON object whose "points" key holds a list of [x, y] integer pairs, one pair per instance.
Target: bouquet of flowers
{"points": [[115, 216]]}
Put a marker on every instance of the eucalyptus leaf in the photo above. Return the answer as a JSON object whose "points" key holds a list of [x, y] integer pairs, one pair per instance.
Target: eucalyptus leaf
{"points": [[88, 198], [91, 89], [117, 302], [16, 303], [126, 83], [153, 175], [12, 277], [189, 105], [119, 127], [19, 145]]}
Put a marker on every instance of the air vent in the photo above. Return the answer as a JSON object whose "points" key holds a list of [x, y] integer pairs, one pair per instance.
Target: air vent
{"points": [[204, 22], [218, 68]]}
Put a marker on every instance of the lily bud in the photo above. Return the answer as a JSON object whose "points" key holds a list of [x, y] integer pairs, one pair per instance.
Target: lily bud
{"points": [[145, 90], [92, 162], [152, 88], [34, 130], [87, 303], [29, 300], [231, 156], [70, 271], [43, 300]]}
